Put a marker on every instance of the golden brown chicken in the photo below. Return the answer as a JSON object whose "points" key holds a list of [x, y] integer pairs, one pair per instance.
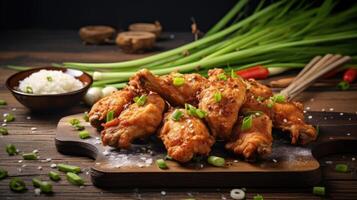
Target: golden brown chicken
{"points": [[185, 136], [252, 139], [139, 120], [115, 102], [176, 88], [289, 116], [286, 115], [221, 100]]}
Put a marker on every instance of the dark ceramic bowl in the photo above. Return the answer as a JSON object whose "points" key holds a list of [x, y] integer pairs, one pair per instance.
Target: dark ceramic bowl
{"points": [[49, 102]]}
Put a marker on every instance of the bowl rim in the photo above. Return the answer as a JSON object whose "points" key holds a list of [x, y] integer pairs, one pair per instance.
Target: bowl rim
{"points": [[36, 69]]}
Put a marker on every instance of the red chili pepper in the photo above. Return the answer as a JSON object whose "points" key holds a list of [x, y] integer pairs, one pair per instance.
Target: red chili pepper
{"points": [[257, 72], [350, 75]]}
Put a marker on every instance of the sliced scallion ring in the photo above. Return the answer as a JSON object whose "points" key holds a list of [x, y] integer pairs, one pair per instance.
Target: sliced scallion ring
{"points": [[217, 97], [176, 115], [247, 123], [178, 81]]}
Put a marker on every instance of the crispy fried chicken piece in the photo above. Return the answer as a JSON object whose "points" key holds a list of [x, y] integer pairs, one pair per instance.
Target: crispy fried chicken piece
{"points": [[163, 85], [255, 141], [186, 137], [115, 102], [289, 117], [134, 122], [286, 116], [223, 114]]}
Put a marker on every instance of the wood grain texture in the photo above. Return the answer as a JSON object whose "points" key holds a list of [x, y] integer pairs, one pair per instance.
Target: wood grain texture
{"points": [[42, 48]]}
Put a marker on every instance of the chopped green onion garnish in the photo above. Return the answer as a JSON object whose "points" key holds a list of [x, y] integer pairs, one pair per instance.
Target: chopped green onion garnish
{"points": [[176, 115], [8, 117], [279, 98], [191, 110], [4, 131], [110, 116], [233, 74], [36, 182], [3, 173], [216, 161], [217, 96], [74, 179], [200, 113], [270, 104], [49, 78], [319, 191], [178, 81], [74, 121], [247, 123], [11, 149], [161, 164], [17, 185], [78, 127], [29, 90], [258, 197], [341, 168], [222, 77], [2, 102], [140, 100], [86, 117], [343, 85], [29, 156], [167, 157], [46, 187], [54, 176], [84, 134], [260, 99], [68, 168]]}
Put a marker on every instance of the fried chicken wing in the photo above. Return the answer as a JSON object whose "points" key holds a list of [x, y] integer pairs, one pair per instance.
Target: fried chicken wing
{"points": [[185, 137], [176, 94], [115, 102], [221, 100], [254, 141], [137, 121], [289, 116]]}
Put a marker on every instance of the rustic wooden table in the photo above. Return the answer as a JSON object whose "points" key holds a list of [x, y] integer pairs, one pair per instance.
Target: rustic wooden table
{"points": [[39, 48]]}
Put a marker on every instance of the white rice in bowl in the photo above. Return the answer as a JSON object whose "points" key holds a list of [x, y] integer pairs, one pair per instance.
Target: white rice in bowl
{"points": [[49, 82]]}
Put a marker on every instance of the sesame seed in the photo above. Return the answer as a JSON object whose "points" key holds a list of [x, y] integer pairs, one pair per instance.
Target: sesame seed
{"points": [[341, 114], [35, 151], [308, 108], [329, 162], [331, 109], [235, 161], [163, 193], [13, 109], [39, 167], [348, 134], [33, 129], [53, 165], [20, 161], [274, 160], [353, 158], [323, 110], [304, 111], [4, 124], [28, 117], [285, 120], [310, 117]]}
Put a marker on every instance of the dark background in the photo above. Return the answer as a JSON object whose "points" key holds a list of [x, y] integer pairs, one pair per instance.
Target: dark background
{"points": [[174, 15]]}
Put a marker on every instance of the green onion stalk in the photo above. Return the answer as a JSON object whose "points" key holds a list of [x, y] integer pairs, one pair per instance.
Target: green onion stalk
{"points": [[282, 35]]}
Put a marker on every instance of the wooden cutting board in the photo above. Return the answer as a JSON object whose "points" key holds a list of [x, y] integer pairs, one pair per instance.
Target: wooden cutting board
{"points": [[287, 166]]}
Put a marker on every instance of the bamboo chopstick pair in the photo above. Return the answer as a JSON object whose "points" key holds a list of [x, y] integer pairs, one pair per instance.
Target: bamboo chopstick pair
{"points": [[317, 67]]}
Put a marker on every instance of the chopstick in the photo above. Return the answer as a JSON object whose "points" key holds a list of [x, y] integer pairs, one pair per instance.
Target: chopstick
{"points": [[317, 67]]}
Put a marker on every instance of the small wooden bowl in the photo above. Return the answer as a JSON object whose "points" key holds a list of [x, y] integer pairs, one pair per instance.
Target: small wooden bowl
{"points": [[96, 34], [135, 42], [48, 102]]}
